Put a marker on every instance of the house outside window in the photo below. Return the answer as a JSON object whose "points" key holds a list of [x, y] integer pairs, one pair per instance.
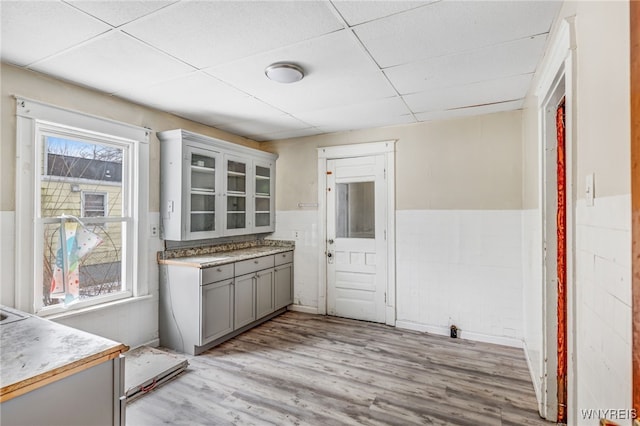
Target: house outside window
{"points": [[90, 192]]}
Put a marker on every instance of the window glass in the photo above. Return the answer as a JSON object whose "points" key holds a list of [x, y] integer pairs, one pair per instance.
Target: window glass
{"points": [[355, 210], [82, 196]]}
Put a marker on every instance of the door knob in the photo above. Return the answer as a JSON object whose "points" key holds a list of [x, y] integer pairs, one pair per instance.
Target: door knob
{"points": [[330, 257], [330, 241]]}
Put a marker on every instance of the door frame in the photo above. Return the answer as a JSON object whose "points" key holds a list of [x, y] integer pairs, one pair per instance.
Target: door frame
{"points": [[387, 148], [560, 66], [634, 37]]}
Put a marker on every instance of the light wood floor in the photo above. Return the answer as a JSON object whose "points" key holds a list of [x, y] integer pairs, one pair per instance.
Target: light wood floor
{"points": [[305, 369]]}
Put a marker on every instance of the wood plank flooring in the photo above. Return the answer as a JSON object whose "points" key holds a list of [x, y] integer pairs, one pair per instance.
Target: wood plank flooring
{"points": [[301, 369]]}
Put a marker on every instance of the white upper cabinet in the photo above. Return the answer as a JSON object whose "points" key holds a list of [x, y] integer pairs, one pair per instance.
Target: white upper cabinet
{"points": [[211, 188], [264, 185]]}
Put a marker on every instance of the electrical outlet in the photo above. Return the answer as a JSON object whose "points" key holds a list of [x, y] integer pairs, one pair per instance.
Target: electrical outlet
{"points": [[154, 230]]}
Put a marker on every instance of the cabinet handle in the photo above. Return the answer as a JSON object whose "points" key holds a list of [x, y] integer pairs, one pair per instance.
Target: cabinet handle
{"points": [[219, 269], [256, 262]]}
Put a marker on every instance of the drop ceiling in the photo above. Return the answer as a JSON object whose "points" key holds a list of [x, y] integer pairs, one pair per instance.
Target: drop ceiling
{"points": [[367, 63]]}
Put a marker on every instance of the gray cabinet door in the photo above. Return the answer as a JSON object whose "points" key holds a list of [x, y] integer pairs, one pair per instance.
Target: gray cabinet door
{"points": [[217, 310], [264, 293], [244, 300], [283, 275]]}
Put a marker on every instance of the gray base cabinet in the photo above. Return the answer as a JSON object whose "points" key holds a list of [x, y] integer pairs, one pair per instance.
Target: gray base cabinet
{"points": [[217, 310], [202, 307], [283, 279], [244, 301], [264, 292], [283, 293], [89, 397]]}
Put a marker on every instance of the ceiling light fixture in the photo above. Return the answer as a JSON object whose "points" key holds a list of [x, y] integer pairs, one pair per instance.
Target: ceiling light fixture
{"points": [[284, 72]]}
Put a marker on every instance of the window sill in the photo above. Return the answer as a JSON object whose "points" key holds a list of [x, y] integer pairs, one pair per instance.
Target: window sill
{"points": [[95, 308]]}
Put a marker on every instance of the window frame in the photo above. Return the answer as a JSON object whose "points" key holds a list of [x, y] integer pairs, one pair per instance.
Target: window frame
{"points": [[34, 118]]}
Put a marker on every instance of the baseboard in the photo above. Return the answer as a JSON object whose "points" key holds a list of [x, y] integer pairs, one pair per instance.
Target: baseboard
{"points": [[304, 309], [467, 335]]}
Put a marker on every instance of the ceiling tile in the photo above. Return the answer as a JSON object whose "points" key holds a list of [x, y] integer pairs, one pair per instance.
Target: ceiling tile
{"points": [[111, 63], [206, 33], [502, 60], [466, 112], [357, 12], [378, 113], [338, 72], [202, 98], [486, 92], [299, 133], [448, 27], [265, 125], [32, 30], [117, 13]]}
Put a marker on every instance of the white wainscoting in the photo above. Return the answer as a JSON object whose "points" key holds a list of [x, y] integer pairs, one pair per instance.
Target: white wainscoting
{"points": [[461, 267], [7, 257], [603, 293], [301, 226], [532, 301]]}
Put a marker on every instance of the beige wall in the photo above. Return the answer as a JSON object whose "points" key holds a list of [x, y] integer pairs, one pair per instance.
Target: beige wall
{"points": [[602, 103], [467, 163], [15, 81]]}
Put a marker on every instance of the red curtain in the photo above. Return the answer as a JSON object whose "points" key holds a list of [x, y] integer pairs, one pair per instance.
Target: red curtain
{"points": [[561, 218]]}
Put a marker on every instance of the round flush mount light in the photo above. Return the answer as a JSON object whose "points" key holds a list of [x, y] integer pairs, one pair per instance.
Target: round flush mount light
{"points": [[284, 72]]}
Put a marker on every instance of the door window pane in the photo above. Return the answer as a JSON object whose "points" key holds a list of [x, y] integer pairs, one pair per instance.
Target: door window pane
{"points": [[355, 210]]}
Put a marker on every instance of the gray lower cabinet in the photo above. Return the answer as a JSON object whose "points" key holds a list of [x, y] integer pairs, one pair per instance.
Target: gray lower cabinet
{"points": [[283, 292], [201, 307], [244, 302], [283, 279], [264, 292], [217, 310], [89, 397]]}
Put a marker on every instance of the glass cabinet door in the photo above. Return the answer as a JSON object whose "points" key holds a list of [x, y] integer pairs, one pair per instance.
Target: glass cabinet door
{"points": [[263, 195], [202, 191], [236, 195]]}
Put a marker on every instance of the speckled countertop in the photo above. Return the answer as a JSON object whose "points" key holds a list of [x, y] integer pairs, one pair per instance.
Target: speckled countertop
{"points": [[206, 257], [36, 350]]}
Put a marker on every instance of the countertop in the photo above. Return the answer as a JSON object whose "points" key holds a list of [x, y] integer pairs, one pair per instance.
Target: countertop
{"points": [[223, 257], [221, 254], [36, 351]]}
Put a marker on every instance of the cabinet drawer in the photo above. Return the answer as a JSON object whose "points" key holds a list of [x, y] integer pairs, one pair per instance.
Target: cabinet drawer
{"points": [[217, 273], [282, 258], [253, 265]]}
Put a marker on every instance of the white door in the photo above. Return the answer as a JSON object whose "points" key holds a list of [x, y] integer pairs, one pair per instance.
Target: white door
{"points": [[356, 238]]}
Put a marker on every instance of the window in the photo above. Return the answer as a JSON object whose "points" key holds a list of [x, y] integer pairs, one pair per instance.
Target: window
{"points": [[355, 210], [94, 204], [89, 201]]}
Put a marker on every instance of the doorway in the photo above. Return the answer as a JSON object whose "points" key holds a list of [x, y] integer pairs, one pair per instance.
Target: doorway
{"points": [[558, 381], [554, 257], [356, 213], [357, 228]]}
